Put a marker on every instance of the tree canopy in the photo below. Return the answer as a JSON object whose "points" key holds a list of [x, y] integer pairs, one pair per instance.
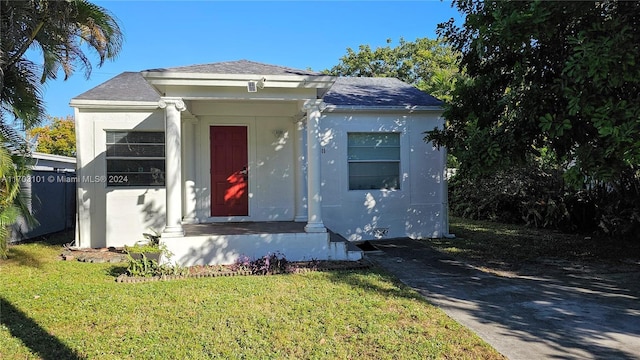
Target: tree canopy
{"points": [[430, 65], [58, 137], [560, 79]]}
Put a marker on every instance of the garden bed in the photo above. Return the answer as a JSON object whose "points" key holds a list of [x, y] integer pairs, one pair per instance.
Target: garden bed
{"points": [[293, 267], [118, 255]]}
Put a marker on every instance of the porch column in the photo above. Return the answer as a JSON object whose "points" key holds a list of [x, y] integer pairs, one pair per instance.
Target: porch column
{"points": [[314, 197], [301, 181], [173, 168]]}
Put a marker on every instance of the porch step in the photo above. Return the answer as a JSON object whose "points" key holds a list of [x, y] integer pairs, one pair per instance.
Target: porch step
{"points": [[343, 246]]}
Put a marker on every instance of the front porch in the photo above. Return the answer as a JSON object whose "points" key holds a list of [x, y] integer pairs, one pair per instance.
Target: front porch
{"points": [[240, 159], [244, 228], [224, 243]]}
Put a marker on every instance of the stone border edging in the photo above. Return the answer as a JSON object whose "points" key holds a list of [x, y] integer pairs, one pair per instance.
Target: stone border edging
{"points": [[124, 278]]}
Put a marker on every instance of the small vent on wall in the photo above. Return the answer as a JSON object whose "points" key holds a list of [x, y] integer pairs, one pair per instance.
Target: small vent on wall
{"points": [[380, 233], [252, 86]]}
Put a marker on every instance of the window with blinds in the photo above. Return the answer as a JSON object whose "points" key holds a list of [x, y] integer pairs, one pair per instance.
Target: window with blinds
{"points": [[135, 158], [374, 161]]}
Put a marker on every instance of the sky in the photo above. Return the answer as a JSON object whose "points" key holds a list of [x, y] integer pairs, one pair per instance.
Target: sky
{"points": [[297, 34]]}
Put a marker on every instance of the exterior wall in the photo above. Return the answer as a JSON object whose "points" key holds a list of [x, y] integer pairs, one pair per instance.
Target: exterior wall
{"points": [[116, 216], [416, 210], [226, 249], [271, 159], [111, 216]]}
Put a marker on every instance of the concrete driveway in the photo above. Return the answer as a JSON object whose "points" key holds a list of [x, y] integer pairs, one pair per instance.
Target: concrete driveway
{"points": [[573, 315]]}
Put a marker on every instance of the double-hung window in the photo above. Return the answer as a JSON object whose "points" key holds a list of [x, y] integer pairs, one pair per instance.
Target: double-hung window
{"points": [[374, 160], [135, 158]]}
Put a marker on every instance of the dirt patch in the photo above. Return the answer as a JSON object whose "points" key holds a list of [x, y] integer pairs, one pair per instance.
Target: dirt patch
{"points": [[102, 255]]}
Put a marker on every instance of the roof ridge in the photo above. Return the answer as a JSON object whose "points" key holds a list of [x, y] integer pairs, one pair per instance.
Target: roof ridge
{"points": [[370, 77], [242, 66], [267, 64]]}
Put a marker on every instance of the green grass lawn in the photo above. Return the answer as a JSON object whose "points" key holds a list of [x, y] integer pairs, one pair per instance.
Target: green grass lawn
{"points": [[53, 309], [508, 246]]}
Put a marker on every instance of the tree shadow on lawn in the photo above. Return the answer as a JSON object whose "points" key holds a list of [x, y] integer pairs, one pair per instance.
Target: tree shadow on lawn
{"points": [[363, 279], [508, 242], [116, 270], [26, 258], [58, 238], [33, 335], [23, 258]]}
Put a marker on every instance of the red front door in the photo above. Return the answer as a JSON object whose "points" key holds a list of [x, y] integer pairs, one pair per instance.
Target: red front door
{"points": [[229, 172]]}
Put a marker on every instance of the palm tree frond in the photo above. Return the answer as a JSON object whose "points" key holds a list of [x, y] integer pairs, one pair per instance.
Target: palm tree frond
{"points": [[21, 94], [100, 29]]}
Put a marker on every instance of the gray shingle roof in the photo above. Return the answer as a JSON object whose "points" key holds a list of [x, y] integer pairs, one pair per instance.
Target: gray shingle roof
{"points": [[238, 67], [128, 86], [356, 91], [369, 91]]}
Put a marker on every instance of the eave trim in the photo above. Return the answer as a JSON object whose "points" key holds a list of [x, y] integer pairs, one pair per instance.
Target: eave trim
{"points": [[385, 109]]}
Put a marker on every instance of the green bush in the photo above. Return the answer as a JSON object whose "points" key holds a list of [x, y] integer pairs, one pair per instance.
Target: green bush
{"points": [[539, 198], [144, 259], [506, 196]]}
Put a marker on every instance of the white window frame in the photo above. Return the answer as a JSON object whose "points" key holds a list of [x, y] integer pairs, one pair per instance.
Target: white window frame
{"points": [[374, 161]]}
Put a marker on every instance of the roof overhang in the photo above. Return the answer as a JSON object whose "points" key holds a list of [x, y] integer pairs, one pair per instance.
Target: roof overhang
{"points": [[53, 157], [113, 105], [173, 83], [381, 109]]}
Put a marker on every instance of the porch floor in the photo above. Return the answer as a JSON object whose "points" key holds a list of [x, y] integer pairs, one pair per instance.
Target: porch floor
{"points": [[244, 228]]}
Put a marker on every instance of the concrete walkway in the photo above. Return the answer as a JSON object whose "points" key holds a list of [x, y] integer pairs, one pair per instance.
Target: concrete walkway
{"points": [[569, 316]]}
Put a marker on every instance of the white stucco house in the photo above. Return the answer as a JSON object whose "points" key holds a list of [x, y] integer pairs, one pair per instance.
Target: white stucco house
{"points": [[244, 158]]}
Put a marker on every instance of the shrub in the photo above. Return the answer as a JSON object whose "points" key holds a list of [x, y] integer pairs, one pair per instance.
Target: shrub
{"points": [[268, 264], [539, 198], [505, 196], [144, 259]]}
